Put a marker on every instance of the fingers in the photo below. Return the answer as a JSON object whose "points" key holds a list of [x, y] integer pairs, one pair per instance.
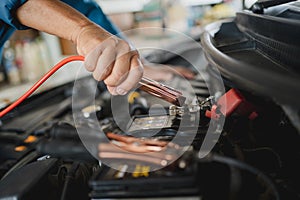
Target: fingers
{"points": [[134, 76], [112, 90], [105, 64], [113, 62], [121, 65], [91, 59]]}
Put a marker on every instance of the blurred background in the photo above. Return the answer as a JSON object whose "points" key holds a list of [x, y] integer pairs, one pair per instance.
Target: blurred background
{"points": [[29, 54]]}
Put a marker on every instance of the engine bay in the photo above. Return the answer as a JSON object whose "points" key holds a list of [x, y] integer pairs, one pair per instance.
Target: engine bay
{"points": [[238, 144], [41, 152]]}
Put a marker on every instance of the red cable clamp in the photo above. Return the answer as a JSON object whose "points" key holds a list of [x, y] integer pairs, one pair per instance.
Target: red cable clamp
{"points": [[232, 102]]}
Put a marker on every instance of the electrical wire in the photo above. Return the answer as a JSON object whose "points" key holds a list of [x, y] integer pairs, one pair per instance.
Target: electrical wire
{"points": [[69, 177], [40, 82]]}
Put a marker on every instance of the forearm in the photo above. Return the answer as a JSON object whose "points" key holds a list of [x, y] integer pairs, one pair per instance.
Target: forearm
{"points": [[108, 57], [57, 18]]}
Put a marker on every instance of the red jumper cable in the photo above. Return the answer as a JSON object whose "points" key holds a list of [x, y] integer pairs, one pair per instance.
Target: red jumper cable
{"points": [[150, 86], [40, 82]]}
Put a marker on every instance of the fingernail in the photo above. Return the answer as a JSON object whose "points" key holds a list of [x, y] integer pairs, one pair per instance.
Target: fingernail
{"points": [[121, 91]]}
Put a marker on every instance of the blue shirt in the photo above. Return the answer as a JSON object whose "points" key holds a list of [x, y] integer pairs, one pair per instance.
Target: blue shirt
{"points": [[9, 22]]}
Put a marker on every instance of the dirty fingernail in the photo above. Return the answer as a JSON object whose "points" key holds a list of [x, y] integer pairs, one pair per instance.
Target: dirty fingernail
{"points": [[121, 91]]}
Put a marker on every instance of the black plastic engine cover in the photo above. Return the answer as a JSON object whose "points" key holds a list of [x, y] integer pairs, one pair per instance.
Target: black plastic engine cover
{"points": [[29, 182]]}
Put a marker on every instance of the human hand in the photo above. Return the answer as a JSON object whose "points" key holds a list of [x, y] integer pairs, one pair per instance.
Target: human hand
{"points": [[159, 72], [110, 58]]}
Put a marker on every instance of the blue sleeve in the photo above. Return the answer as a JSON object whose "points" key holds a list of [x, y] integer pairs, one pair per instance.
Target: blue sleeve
{"points": [[8, 20], [8, 11], [87, 7], [93, 11]]}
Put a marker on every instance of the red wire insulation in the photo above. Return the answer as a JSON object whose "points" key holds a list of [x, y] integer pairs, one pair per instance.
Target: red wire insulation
{"points": [[40, 82]]}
